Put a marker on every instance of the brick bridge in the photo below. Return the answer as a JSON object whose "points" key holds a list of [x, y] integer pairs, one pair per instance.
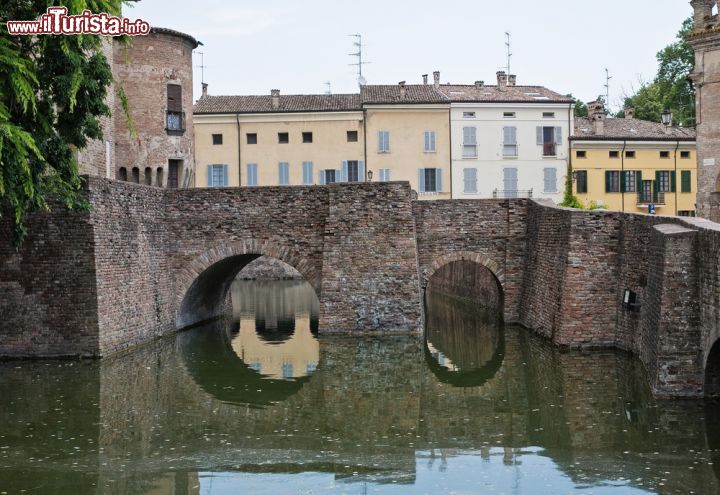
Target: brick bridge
{"points": [[146, 261]]}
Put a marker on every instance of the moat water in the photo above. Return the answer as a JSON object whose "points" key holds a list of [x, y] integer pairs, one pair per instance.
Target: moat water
{"points": [[260, 404]]}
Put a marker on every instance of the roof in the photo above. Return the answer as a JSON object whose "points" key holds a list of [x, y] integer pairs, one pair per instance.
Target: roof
{"points": [[630, 129], [172, 32], [288, 103], [505, 94], [390, 93]]}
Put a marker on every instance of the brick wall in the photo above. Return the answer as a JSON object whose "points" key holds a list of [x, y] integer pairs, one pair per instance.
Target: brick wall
{"points": [[468, 281]]}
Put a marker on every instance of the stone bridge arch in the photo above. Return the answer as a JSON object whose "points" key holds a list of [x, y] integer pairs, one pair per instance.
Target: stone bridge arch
{"points": [[478, 258], [202, 285]]}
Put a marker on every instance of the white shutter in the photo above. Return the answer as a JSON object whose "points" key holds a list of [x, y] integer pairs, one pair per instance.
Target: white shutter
{"points": [[322, 177], [539, 135], [421, 180], [469, 136], [470, 180], [558, 135], [550, 175], [438, 180], [361, 171]]}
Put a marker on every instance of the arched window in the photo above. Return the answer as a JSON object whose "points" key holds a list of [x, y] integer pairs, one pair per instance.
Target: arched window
{"points": [[136, 175], [148, 176], [122, 174], [159, 177]]}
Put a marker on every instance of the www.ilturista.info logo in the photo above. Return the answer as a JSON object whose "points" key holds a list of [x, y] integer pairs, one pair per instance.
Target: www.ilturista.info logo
{"points": [[57, 21]]}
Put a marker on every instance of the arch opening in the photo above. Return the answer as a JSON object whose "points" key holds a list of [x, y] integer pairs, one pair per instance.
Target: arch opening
{"points": [[122, 174], [148, 176], [712, 371]]}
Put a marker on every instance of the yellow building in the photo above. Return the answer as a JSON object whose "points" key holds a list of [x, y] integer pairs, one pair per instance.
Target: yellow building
{"points": [[633, 165]]}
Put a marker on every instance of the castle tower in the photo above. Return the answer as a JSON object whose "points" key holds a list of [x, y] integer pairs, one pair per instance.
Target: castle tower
{"points": [[705, 40]]}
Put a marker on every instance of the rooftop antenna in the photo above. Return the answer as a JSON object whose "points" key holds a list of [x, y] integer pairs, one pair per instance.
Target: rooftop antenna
{"points": [[202, 66], [328, 91], [359, 63], [509, 53], [607, 88]]}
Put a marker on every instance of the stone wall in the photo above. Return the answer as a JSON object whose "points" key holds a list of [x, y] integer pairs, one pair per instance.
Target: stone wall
{"points": [[470, 282], [265, 268]]}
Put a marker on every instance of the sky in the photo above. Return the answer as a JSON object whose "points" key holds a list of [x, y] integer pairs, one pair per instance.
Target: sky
{"points": [[251, 47]]}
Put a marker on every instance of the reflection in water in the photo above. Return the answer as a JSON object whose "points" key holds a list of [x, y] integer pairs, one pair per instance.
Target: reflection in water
{"points": [[189, 415]]}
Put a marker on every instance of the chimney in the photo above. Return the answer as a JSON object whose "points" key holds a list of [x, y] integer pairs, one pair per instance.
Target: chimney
{"points": [[596, 113], [402, 89], [436, 79], [502, 79], [629, 113], [275, 93], [424, 78], [479, 84], [512, 78], [204, 89]]}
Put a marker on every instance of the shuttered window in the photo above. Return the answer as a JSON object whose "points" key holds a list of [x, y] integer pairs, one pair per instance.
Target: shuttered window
{"points": [[612, 181], [469, 142], [429, 141], [509, 141], [510, 182], [283, 173], [307, 171], [430, 180], [217, 175], [384, 175], [686, 181], [470, 180], [174, 118], [581, 181], [628, 181], [251, 169], [383, 142], [550, 179]]}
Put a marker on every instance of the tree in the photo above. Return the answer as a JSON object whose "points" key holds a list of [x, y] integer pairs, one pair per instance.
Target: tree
{"points": [[671, 88], [52, 92]]}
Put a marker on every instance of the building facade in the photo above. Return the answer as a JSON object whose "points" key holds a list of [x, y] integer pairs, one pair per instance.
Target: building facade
{"points": [[508, 141], [155, 147], [705, 40], [634, 165]]}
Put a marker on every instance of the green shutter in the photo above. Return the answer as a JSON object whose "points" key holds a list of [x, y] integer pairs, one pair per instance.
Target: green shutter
{"points": [[623, 181], [608, 182], [656, 186], [686, 181], [673, 180]]}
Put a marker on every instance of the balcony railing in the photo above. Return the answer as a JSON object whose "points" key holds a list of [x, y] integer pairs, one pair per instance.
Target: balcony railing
{"points": [[549, 149], [657, 198], [512, 194]]}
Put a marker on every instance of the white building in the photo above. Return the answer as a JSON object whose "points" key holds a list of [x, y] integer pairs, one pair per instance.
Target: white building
{"points": [[508, 140]]}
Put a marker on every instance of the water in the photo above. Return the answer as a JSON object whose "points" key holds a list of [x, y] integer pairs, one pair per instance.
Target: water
{"points": [[260, 405]]}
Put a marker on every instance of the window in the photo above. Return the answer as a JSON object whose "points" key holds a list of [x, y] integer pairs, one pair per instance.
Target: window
{"points": [[470, 180], [550, 180], [217, 138], [665, 181], [251, 138], [307, 170], [612, 181], [686, 213], [328, 176], [684, 154], [217, 175], [686, 181], [174, 167], [629, 154], [383, 142], [252, 174], [549, 138], [628, 181], [159, 177], [384, 175], [283, 173], [122, 174], [510, 182], [664, 154], [614, 154], [283, 138], [430, 180], [548, 115], [510, 148], [174, 120], [581, 181], [508, 115], [307, 137], [148, 176], [469, 142], [352, 136], [468, 115], [429, 141], [136, 175], [351, 172], [581, 154]]}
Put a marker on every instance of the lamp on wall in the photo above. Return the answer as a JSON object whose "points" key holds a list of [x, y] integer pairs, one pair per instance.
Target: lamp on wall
{"points": [[666, 117], [369, 175]]}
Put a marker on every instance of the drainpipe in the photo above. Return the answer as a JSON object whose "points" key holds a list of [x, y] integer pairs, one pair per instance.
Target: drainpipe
{"points": [[677, 145], [622, 175], [450, 144], [367, 164], [571, 127], [239, 141]]}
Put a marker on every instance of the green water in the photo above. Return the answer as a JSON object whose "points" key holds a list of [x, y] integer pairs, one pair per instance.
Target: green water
{"points": [[258, 404]]}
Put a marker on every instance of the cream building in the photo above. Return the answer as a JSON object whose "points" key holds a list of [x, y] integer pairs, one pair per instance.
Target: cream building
{"points": [[508, 141]]}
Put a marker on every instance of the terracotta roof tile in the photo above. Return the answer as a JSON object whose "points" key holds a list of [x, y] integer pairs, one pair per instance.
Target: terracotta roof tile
{"points": [[505, 94], [288, 103], [630, 129], [390, 93]]}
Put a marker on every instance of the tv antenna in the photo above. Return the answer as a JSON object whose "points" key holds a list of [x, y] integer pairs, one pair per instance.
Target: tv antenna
{"points": [[508, 52], [358, 54], [607, 88], [328, 91], [202, 66]]}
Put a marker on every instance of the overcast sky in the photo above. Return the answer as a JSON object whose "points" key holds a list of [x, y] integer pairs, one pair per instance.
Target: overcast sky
{"points": [[251, 47]]}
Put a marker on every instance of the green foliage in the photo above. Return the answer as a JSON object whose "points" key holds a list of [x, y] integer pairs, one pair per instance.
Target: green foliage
{"points": [[581, 109], [671, 88], [52, 92]]}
